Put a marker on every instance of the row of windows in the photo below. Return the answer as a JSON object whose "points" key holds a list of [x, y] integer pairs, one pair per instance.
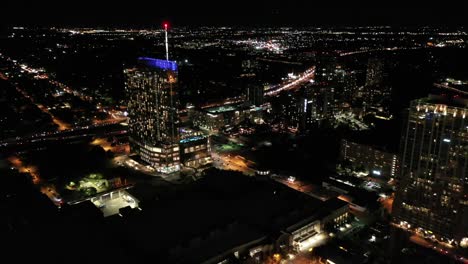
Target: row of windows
{"points": [[152, 159], [198, 161], [415, 208], [195, 148]]}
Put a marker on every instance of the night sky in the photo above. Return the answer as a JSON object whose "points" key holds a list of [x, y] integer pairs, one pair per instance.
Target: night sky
{"points": [[240, 12]]}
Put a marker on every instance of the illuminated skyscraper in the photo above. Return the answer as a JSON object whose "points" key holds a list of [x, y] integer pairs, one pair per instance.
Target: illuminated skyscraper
{"points": [[377, 92], [375, 72], [432, 196], [255, 94], [153, 120]]}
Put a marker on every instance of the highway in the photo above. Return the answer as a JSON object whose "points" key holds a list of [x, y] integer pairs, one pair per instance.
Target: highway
{"points": [[305, 77], [20, 144]]}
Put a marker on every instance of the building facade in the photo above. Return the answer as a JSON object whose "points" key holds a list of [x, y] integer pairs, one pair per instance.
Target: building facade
{"points": [[375, 72], [310, 231], [195, 148], [215, 118], [152, 106], [255, 94], [315, 103], [432, 198], [376, 162], [376, 93]]}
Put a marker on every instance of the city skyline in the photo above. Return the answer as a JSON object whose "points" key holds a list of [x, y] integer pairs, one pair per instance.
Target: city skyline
{"points": [[251, 143], [238, 13]]}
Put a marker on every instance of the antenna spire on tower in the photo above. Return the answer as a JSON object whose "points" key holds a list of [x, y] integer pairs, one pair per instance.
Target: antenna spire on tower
{"points": [[167, 44]]}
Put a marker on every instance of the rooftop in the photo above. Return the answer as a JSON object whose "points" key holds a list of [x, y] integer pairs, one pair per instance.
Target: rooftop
{"points": [[455, 100], [215, 214], [159, 64], [221, 109], [191, 139]]}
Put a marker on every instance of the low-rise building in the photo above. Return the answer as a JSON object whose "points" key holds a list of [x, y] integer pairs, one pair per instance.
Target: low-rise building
{"points": [[214, 118], [262, 218], [374, 161], [312, 231], [195, 149]]}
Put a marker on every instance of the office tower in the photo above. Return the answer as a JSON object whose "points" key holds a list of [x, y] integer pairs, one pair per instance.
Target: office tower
{"points": [[195, 148], [326, 66], [255, 94], [432, 198], [350, 86], [321, 100], [306, 108], [375, 72], [377, 91], [153, 119]]}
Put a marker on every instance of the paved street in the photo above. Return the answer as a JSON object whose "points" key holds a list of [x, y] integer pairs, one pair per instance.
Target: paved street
{"points": [[232, 162]]}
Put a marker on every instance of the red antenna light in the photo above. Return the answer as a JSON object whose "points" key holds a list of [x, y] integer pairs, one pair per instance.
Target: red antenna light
{"points": [[166, 25]]}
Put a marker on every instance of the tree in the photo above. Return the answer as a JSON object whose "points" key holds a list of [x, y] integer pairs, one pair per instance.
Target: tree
{"points": [[89, 191]]}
